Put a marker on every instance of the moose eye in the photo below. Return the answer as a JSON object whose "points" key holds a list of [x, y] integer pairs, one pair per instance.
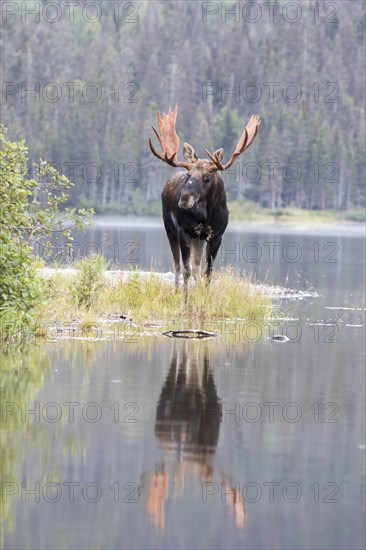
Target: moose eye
{"points": [[206, 178]]}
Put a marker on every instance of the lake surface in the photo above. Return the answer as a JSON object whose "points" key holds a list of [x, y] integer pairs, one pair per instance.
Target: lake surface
{"points": [[224, 443]]}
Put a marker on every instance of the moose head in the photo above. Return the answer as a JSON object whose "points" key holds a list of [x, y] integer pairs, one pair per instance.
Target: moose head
{"points": [[194, 202]]}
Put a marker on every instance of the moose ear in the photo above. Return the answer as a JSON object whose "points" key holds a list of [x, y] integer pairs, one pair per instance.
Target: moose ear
{"points": [[219, 153], [189, 153]]}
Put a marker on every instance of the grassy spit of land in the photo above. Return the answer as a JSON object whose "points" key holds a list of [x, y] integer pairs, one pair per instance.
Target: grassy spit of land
{"points": [[86, 297]]}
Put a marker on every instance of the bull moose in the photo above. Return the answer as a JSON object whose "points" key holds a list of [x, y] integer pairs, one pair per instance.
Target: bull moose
{"points": [[194, 202]]}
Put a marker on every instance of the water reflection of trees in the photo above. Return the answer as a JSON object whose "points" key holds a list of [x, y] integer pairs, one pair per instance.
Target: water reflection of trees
{"points": [[30, 447], [22, 377], [187, 425]]}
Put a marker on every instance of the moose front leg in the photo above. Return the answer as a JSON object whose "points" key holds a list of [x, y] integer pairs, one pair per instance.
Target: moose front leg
{"points": [[211, 253], [197, 251], [174, 245], [173, 237], [185, 247]]}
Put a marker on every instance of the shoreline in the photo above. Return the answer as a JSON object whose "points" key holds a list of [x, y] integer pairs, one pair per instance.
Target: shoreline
{"points": [[338, 228], [126, 323], [113, 277]]}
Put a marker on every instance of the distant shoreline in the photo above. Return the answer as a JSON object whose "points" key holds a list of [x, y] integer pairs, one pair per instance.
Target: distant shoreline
{"points": [[340, 228]]}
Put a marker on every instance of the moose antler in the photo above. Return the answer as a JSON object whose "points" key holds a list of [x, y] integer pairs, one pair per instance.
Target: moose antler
{"points": [[168, 140], [245, 140]]}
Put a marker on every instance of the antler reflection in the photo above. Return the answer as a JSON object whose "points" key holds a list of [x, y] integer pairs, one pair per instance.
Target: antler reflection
{"points": [[187, 425]]}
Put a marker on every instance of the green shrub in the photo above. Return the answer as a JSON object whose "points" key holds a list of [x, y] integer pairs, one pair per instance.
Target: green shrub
{"points": [[30, 210], [90, 280]]}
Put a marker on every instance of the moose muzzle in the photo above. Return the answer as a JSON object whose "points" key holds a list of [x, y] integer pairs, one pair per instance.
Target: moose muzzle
{"points": [[187, 200], [189, 195]]}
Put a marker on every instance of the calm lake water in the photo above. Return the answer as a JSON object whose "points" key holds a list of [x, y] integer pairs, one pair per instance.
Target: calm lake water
{"points": [[224, 443]]}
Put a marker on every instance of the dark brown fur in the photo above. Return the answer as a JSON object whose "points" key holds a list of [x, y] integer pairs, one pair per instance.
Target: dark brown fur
{"points": [[194, 202], [194, 212]]}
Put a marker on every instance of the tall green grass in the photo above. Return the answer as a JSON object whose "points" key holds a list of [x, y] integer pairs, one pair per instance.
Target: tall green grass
{"points": [[147, 298]]}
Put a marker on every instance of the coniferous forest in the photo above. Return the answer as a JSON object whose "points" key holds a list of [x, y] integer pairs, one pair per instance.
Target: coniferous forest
{"points": [[82, 81]]}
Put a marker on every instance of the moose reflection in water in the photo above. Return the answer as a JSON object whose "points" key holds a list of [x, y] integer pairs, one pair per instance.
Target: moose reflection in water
{"points": [[187, 425]]}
